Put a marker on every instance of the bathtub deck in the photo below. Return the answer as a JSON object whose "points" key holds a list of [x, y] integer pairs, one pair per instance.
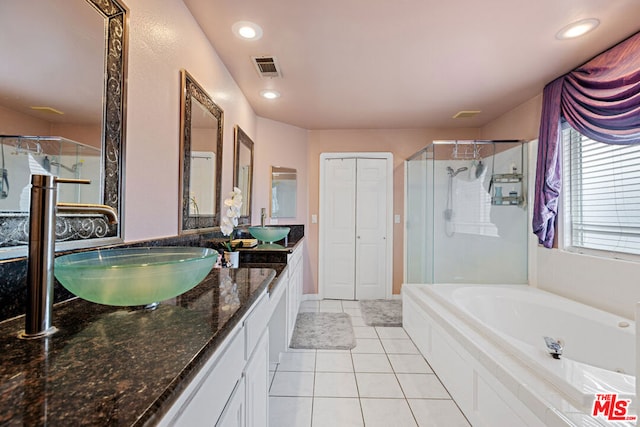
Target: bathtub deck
{"points": [[383, 381]]}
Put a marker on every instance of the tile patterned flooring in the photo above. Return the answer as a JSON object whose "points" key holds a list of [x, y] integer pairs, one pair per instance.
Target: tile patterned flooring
{"points": [[383, 381]]}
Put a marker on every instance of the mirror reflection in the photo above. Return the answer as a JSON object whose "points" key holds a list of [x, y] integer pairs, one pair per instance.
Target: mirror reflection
{"points": [[201, 157], [283, 192], [70, 104], [243, 172]]}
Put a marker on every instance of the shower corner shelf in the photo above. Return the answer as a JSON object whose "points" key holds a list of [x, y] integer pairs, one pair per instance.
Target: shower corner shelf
{"points": [[513, 181], [506, 178]]}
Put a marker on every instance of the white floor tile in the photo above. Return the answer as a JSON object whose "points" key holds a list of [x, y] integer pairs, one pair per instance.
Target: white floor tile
{"points": [[422, 386], [309, 304], [409, 364], [331, 304], [365, 332], [297, 361], [371, 363], [357, 321], [399, 346], [350, 304], [335, 384], [378, 385], [395, 384], [367, 345], [334, 412], [300, 350], [308, 310], [355, 312], [290, 411], [437, 413], [391, 333], [292, 384], [387, 412], [334, 362]]}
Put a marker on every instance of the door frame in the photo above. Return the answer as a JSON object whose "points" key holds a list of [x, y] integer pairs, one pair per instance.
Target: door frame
{"points": [[389, 185]]}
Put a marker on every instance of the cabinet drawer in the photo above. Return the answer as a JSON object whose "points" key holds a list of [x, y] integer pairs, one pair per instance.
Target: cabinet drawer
{"points": [[255, 324], [208, 398]]}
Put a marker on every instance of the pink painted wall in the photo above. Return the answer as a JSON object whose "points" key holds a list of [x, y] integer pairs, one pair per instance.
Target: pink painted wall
{"points": [[279, 144], [163, 38], [402, 143]]}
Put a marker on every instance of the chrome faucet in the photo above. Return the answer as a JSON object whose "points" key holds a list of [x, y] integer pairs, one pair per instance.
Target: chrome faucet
{"points": [[42, 236], [554, 347], [263, 216]]}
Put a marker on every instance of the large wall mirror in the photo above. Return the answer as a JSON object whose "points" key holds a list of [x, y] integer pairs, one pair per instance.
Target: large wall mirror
{"points": [[62, 84], [284, 185], [243, 172], [201, 124]]}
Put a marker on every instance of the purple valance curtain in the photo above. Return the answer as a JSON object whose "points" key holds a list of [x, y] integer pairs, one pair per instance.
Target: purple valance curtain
{"points": [[601, 100]]}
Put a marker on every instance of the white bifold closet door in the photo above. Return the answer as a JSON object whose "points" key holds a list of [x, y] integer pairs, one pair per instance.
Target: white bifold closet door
{"points": [[355, 218]]}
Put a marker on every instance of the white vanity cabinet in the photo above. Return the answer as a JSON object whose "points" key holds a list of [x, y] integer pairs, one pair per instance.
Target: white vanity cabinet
{"points": [[231, 389], [294, 288], [284, 302]]}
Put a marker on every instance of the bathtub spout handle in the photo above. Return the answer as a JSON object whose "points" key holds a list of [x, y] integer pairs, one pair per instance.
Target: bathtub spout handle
{"points": [[554, 347]]}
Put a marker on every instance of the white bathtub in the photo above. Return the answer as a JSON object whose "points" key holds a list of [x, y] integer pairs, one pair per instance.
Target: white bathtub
{"points": [[498, 330]]}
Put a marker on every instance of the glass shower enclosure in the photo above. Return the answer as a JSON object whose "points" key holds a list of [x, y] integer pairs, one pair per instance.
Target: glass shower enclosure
{"points": [[466, 214]]}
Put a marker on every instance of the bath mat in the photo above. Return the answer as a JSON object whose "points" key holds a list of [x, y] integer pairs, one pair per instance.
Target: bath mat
{"points": [[382, 312], [326, 331]]}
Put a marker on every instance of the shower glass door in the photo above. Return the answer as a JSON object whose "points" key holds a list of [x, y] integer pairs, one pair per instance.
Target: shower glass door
{"points": [[466, 215]]}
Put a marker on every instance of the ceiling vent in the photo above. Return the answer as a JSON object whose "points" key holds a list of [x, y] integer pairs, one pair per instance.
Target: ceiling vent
{"points": [[466, 114], [267, 66]]}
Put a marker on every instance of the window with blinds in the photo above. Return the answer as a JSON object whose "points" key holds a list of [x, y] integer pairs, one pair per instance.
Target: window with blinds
{"points": [[602, 194]]}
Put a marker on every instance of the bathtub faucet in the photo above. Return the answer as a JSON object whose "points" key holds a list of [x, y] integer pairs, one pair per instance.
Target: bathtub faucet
{"points": [[554, 347]]}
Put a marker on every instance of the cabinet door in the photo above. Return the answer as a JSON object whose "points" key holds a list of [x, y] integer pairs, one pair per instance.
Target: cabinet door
{"points": [[257, 385], [371, 229], [338, 228], [234, 412]]}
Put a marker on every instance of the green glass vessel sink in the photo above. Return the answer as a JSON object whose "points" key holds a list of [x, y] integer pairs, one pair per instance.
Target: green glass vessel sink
{"points": [[134, 276], [269, 234]]}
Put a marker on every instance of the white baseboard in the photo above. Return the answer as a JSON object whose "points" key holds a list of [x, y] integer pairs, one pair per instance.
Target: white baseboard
{"points": [[316, 297]]}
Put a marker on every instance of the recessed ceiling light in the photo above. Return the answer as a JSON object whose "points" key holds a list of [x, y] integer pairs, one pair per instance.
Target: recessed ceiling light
{"points": [[270, 94], [247, 30], [577, 29]]}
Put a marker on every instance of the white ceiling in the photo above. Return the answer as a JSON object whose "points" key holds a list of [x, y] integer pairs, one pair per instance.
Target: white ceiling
{"points": [[406, 63]]}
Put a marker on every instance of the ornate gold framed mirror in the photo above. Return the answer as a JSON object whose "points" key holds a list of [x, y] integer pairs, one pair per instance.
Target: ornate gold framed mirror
{"points": [[201, 125]]}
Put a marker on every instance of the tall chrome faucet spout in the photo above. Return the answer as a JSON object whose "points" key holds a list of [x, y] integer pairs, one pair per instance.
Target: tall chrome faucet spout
{"points": [[263, 216], [42, 224]]}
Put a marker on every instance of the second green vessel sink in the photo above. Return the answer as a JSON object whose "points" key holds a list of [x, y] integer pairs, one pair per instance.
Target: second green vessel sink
{"points": [[134, 276], [269, 234]]}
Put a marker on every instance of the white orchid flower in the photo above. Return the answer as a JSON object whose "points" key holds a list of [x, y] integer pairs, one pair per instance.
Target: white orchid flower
{"points": [[227, 226], [230, 219]]}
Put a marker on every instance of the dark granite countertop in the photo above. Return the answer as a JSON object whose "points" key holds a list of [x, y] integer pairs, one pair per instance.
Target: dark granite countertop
{"points": [[118, 366]]}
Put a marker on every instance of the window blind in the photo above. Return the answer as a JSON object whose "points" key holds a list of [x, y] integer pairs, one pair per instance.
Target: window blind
{"points": [[602, 194]]}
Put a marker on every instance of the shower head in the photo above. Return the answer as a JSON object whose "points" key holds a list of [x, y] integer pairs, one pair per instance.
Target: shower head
{"points": [[480, 169], [453, 173]]}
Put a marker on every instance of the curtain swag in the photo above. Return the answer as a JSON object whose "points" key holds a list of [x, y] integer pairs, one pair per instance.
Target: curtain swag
{"points": [[601, 100]]}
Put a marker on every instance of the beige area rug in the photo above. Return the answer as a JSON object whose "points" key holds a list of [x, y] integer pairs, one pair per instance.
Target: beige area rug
{"points": [[381, 312], [325, 331]]}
